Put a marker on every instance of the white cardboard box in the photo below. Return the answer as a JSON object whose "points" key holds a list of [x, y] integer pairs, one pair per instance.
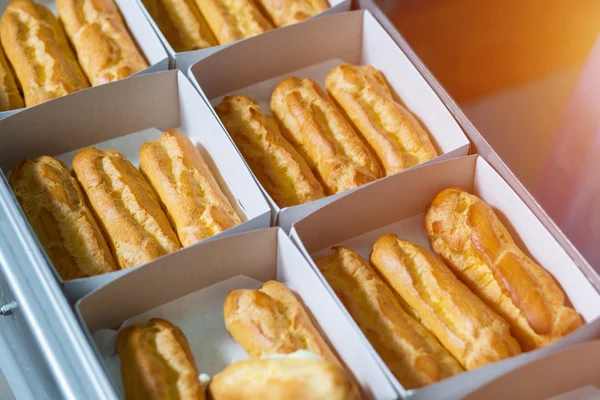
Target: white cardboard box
{"points": [[119, 116], [397, 205], [569, 374], [183, 60], [189, 287], [310, 50], [139, 28]]}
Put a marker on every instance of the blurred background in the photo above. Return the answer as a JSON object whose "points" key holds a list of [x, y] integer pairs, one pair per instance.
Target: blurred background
{"points": [[524, 73]]}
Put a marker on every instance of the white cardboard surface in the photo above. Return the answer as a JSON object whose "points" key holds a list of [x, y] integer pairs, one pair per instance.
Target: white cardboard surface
{"points": [[183, 60], [354, 37], [396, 205], [189, 287], [123, 116], [542, 380], [139, 28]]}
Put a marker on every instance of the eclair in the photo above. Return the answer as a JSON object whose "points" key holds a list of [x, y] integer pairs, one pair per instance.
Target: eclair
{"points": [[181, 23], [56, 209], [398, 139], [233, 20], [127, 208], [279, 168], [271, 320], [10, 97], [314, 126], [99, 35], [187, 189], [288, 12], [282, 379], [473, 333], [49, 72], [157, 363], [413, 354], [466, 233]]}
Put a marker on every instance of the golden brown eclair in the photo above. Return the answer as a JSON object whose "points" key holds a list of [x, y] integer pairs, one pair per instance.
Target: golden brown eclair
{"points": [[99, 35], [233, 20], [188, 191], [433, 295], [393, 132], [314, 126], [288, 12], [157, 363], [181, 23], [276, 164], [467, 234], [37, 48], [282, 379], [271, 320], [413, 354], [137, 228], [55, 206], [10, 97]]}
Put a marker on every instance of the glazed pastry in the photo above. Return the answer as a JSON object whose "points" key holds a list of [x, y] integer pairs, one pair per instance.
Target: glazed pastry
{"points": [[99, 35], [413, 355], [233, 20], [288, 12], [188, 191], [126, 207], [49, 72], [279, 168], [55, 207], [271, 320], [431, 293], [318, 131], [467, 234], [393, 132], [10, 98], [282, 379], [181, 23], [157, 363]]}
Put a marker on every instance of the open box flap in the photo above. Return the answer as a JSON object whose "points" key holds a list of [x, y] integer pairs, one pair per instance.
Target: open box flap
{"points": [[542, 380]]}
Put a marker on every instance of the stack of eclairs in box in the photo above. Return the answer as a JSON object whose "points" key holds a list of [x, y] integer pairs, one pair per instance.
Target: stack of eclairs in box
{"points": [[50, 58], [311, 148], [194, 25], [477, 300]]}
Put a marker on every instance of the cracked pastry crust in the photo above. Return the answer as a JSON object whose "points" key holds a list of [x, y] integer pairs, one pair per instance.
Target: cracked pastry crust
{"points": [[288, 12], [55, 206], [282, 379], [127, 208], [398, 139], [99, 35], [157, 363], [10, 97], [181, 23], [413, 354], [279, 168], [433, 295], [232, 20], [187, 189], [36, 46], [271, 320], [314, 126], [466, 233]]}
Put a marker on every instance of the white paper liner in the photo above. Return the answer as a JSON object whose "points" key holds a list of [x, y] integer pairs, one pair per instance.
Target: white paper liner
{"points": [[200, 316]]}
